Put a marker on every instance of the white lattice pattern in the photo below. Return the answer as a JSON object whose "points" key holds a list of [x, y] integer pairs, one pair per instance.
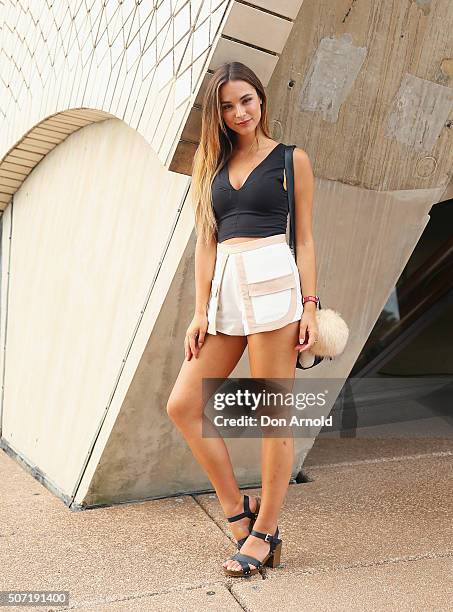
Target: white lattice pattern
{"points": [[66, 63]]}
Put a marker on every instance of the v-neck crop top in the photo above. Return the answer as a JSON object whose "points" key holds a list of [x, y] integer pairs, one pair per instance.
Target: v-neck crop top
{"points": [[260, 207]]}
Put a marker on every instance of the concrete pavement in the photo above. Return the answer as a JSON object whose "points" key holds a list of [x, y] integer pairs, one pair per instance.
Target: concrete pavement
{"points": [[371, 530]]}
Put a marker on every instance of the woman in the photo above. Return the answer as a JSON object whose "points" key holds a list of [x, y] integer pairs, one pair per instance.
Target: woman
{"points": [[248, 293]]}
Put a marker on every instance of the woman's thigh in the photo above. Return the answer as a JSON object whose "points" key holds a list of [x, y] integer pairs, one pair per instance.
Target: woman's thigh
{"points": [[272, 354], [217, 359]]}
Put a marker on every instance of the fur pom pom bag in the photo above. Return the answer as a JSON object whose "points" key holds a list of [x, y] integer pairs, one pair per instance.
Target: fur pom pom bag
{"points": [[333, 335], [333, 331]]}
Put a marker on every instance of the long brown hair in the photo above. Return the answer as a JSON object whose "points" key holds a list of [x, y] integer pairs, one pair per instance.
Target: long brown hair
{"points": [[217, 143]]}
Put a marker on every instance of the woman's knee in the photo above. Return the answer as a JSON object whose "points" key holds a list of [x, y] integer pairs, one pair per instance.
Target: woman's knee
{"points": [[180, 409], [174, 409]]}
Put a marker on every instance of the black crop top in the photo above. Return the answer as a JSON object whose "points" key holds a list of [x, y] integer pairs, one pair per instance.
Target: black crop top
{"points": [[260, 207]]}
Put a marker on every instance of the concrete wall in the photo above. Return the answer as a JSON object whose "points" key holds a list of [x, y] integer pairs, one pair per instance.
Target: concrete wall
{"points": [[82, 244]]}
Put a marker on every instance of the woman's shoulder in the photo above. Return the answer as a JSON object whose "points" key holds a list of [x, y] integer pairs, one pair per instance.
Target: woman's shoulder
{"points": [[302, 164], [300, 157]]}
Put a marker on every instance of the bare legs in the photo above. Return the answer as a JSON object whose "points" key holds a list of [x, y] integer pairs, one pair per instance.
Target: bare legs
{"points": [[185, 409]]}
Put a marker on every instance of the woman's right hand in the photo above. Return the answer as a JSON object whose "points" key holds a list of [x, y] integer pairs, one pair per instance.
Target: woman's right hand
{"points": [[195, 335]]}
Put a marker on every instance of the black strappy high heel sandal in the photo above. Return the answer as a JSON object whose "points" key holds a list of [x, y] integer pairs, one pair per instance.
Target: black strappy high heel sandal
{"points": [[272, 559], [247, 513]]}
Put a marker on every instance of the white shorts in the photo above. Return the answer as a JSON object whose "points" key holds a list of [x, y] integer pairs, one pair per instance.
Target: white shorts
{"points": [[255, 287]]}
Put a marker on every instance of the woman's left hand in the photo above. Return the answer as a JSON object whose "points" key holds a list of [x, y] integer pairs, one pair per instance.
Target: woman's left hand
{"points": [[308, 327]]}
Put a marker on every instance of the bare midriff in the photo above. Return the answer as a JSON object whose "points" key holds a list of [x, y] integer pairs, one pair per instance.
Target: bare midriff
{"points": [[239, 239]]}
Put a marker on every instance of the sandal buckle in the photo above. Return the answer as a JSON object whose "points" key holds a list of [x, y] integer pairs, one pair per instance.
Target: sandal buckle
{"points": [[268, 535]]}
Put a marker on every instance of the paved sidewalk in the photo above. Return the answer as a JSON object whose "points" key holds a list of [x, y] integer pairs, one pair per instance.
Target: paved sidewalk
{"points": [[372, 530]]}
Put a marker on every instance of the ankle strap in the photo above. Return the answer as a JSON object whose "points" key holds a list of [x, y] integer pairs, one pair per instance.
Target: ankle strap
{"points": [[247, 512], [267, 537]]}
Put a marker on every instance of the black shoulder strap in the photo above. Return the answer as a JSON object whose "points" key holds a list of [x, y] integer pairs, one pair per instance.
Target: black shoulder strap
{"points": [[289, 173]]}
